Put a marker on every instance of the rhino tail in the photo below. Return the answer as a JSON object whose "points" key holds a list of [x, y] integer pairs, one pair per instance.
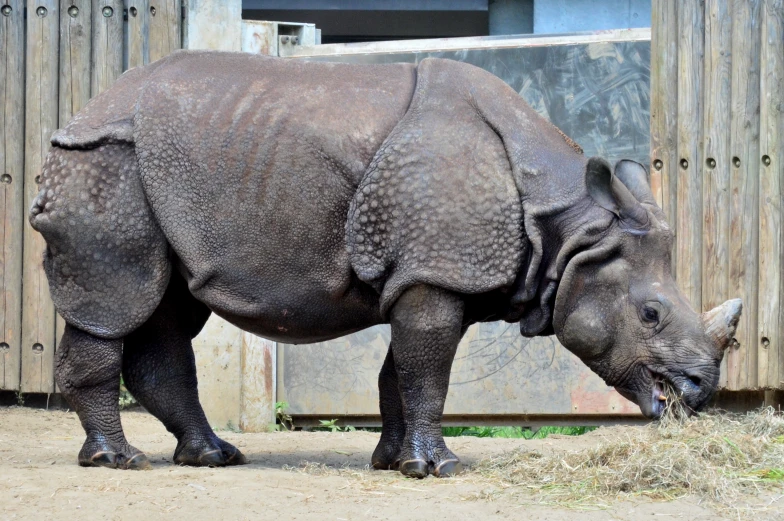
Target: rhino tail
{"points": [[106, 258]]}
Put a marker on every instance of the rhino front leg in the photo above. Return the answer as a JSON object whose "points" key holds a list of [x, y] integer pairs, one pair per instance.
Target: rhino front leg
{"points": [[88, 374], [426, 328], [393, 428], [160, 371]]}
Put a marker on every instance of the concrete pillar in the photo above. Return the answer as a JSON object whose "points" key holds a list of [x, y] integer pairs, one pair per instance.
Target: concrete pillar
{"points": [[213, 24]]}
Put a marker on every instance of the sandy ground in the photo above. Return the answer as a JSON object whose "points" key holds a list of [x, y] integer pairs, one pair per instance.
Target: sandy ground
{"points": [[40, 480]]}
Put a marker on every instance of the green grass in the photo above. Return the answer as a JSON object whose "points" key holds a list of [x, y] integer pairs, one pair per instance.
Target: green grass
{"points": [[514, 432], [477, 432]]}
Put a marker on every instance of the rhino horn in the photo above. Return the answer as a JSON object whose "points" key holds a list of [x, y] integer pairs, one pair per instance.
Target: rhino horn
{"points": [[720, 323]]}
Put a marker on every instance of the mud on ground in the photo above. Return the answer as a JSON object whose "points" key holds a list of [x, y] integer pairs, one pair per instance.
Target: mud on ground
{"points": [[39, 480]]}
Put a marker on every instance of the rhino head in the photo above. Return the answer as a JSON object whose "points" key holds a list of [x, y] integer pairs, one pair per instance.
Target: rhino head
{"points": [[619, 310]]}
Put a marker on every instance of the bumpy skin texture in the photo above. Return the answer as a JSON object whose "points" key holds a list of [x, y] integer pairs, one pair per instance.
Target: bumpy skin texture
{"points": [[304, 201]]}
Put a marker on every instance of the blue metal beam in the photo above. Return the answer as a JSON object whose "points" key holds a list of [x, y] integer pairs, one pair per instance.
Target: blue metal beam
{"points": [[364, 5]]}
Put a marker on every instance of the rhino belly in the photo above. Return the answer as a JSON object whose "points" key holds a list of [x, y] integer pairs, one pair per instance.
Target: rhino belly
{"points": [[284, 302]]}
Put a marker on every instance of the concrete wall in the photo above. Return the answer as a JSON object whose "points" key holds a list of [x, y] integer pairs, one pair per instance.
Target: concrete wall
{"points": [[567, 16]]}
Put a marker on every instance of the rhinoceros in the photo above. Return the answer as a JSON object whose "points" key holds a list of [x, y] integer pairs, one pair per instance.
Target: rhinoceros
{"points": [[306, 201]]}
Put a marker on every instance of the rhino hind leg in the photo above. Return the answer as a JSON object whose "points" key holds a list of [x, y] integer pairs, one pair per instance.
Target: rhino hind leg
{"points": [[393, 428], [426, 328], [88, 374], [159, 370]]}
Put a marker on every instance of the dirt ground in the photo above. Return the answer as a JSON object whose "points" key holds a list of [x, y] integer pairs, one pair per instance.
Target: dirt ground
{"points": [[39, 480]]}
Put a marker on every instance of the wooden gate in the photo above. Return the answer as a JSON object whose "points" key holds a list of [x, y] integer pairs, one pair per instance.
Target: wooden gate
{"points": [[55, 55], [717, 133]]}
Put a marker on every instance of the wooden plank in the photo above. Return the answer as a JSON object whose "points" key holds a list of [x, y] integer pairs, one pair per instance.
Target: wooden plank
{"points": [[664, 117], [41, 112], [770, 247], [716, 151], [11, 189], [107, 51], [75, 54], [688, 234], [138, 33], [165, 27], [744, 190]]}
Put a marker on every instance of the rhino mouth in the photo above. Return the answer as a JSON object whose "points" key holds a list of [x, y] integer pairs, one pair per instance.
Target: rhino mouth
{"points": [[653, 402], [659, 396]]}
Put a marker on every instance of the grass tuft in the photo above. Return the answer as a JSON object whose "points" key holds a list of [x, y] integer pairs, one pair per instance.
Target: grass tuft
{"points": [[718, 457]]}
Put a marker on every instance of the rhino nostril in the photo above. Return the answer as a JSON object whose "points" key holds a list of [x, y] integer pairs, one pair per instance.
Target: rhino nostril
{"points": [[695, 380]]}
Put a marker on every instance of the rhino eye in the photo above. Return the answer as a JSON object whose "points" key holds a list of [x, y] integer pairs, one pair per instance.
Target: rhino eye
{"points": [[650, 313]]}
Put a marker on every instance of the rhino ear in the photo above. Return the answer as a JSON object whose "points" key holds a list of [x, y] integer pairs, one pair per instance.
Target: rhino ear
{"points": [[634, 176], [598, 181], [612, 195]]}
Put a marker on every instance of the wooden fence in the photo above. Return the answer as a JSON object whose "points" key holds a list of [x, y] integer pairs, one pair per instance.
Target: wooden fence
{"points": [[717, 133], [54, 56]]}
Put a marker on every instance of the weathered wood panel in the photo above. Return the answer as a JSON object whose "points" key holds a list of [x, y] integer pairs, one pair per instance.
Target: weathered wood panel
{"points": [[41, 120], [770, 241], [744, 190], [664, 90], [138, 32], [107, 51], [11, 189], [75, 55], [688, 237], [716, 166], [165, 27]]}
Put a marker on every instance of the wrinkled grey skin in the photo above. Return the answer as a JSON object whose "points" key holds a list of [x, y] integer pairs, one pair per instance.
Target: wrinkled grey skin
{"points": [[305, 201]]}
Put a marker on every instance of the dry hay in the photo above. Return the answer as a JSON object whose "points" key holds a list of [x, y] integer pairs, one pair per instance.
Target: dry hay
{"points": [[716, 456]]}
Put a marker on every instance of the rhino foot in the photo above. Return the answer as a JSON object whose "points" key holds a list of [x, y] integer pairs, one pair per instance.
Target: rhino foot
{"points": [[440, 463], [97, 451], [213, 452], [387, 454]]}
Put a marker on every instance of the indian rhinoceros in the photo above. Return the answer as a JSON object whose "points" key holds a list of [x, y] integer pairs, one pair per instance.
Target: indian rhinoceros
{"points": [[305, 201]]}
